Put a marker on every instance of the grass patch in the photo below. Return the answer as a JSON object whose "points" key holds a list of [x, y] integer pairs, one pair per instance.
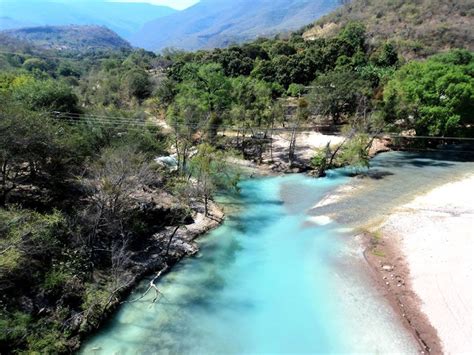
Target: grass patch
{"points": [[378, 252], [377, 236]]}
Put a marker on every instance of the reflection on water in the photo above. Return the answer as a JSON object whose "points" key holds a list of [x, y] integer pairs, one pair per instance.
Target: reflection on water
{"points": [[274, 279]]}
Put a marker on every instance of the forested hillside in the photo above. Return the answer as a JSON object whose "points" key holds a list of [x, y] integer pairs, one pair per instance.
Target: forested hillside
{"points": [[86, 208], [418, 28], [70, 38]]}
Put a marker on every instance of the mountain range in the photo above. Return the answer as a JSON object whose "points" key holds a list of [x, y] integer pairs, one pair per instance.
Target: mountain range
{"points": [[71, 38], [121, 17], [218, 23], [207, 24]]}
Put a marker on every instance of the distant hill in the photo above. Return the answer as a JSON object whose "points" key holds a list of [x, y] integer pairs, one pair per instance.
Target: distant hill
{"points": [[123, 18], [218, 23], [419, 27], [68, 38]]}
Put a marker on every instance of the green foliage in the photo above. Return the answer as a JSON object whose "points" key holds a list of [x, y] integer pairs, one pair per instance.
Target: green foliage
{"points": [[385, 56], [354, 34], [212, 171], [48, 95], [319, 161], [47, 341], [282, 48], [355, 152], [251, 102], [203, 97], [338, 93], [56, 278], [14, 326], [40, 232], [296, 90], [137, 84], [417, 29], [435, 97], [33, 64], [33, 146], [94, 297], [68, 69]]}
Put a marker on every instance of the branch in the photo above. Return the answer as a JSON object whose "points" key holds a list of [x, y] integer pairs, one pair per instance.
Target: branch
{"points": [[151, 285]]}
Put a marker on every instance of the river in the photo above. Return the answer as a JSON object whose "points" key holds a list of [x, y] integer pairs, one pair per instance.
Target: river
{"points": [[280, 276]]}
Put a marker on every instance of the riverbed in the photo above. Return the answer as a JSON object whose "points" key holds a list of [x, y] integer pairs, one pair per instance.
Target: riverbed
{"points": [[280, 276]]}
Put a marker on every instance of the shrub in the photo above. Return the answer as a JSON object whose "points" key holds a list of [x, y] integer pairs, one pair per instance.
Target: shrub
{"points": [[295, 90]]}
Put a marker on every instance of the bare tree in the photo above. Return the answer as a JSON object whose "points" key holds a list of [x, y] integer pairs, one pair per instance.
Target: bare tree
{"points": [[301, 116], [110, 184]]}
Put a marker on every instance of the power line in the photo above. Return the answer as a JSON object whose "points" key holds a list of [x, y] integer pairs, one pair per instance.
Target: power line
{"points": [[100, 123], [95, 119], [118, 120], [58, 113]]}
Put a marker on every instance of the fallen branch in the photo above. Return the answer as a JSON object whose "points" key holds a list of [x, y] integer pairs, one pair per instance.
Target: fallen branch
{"points": [[151, 286]]}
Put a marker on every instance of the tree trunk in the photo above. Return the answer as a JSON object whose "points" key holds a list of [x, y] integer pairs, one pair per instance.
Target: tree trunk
{"points": [[171, 239], [291, 151], [271, 142], [206, 203]]}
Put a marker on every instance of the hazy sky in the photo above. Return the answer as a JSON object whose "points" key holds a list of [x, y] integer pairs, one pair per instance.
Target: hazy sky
{"points": [[177, 4]]}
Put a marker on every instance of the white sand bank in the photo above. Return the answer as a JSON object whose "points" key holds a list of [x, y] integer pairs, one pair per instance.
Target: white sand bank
{"points": [[306, 144], [435, 232]]}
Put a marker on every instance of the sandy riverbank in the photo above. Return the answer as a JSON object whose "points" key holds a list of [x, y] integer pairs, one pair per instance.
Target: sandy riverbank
{"points": [[306, 144], [423, 254]]}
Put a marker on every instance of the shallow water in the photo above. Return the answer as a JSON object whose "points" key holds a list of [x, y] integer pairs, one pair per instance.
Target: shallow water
{"points": [[276, 277], [394, 179]]}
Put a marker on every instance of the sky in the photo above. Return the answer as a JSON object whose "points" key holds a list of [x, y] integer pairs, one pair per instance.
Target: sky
{"points": [[177, 4]]}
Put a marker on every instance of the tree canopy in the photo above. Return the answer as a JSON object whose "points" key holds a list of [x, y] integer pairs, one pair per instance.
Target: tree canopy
{"points": [[436, 96]]}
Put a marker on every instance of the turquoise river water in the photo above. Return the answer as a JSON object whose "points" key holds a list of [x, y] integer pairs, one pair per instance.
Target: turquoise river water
{"points": [[278, 276]]}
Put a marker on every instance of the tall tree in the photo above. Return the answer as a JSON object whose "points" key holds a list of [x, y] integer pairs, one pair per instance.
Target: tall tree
{"points": [[435, 97], [212, 171], [210, 88], [337, 94]]}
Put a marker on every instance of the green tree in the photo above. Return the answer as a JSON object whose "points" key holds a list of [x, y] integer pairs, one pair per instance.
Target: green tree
{"points": [[209, 89], [385, 56], [296, 90], [68, 69], [212, 172], [32, 151], [33, 64], [354, 34], [48, 94], [137, 83], [435, 97], [337, 94]]}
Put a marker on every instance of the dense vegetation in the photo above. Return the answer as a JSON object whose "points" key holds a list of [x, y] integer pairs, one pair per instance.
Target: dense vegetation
{"points": [[81, 194], [418, 28]]}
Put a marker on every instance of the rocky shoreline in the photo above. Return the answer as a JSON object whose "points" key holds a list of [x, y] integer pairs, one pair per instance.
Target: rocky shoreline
{"points": [[155, 259], [392, 279]]}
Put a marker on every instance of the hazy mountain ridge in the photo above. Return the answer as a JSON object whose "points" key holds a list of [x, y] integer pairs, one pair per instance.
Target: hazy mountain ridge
{"points": [[217, 23], [123, 18], [419, 28], [69, 38]]}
